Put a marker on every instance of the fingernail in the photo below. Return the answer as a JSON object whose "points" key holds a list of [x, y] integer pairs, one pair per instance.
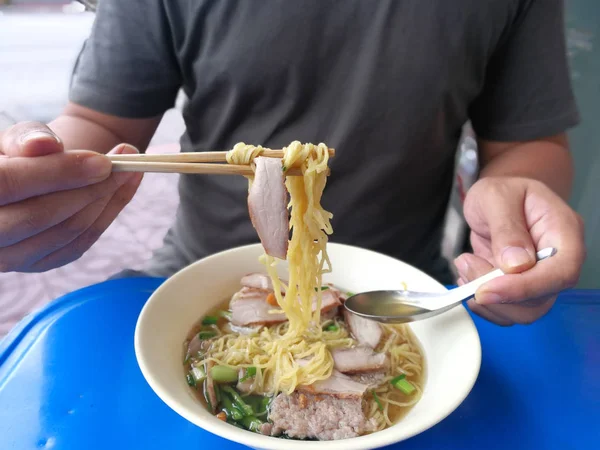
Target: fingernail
{"points": [[124, 149], [515, 257], [488, 298], [38, 135], [461, 266], [97, 167]]}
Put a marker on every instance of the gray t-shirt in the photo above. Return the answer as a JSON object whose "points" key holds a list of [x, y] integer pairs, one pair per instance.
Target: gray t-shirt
{"points": [[387, 83]]}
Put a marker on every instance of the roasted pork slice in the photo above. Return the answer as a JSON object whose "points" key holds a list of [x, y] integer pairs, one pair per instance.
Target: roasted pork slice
{"points": [[197, 346], [329, 301], [267, 205], [337, 385], [249, 307], [358, 360], [366, 332], [323, 417], [371, 379], [259, 281], [209, 388]]}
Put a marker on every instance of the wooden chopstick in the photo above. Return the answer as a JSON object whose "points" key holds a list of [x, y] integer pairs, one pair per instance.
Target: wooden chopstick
{"points": [[194, 157], [190, 168], [192, 163]]}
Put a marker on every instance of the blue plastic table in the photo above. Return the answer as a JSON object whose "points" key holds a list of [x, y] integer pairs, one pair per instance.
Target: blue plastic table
{"points": [[69, 380]]}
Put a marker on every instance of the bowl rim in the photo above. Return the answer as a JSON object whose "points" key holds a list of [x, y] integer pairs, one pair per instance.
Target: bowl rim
{"points": [[254, 440]]}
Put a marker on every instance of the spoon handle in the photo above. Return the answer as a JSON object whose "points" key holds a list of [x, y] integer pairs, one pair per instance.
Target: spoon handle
{"points": [[466, 291]]}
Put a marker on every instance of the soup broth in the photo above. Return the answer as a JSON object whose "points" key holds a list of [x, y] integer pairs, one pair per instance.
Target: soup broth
{"points": [[391, 392]]}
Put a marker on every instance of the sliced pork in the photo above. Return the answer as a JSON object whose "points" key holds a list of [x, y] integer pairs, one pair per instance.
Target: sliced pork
{"points": [[249, 307], [371, 379], [358, 360], [323, 417], [337, 385], [209, 388], [259, 281], [366, 332], [267, 205], [329, 301]]}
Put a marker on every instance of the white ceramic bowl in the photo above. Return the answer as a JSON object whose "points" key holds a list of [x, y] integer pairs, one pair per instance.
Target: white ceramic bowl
{"points": [[450, 341]]}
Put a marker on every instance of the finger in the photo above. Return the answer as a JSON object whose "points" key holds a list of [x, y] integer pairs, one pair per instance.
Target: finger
{"points": [[501, 208], [470, 266], [19, 221], [22, 178], [546, 278], [522, 313], [20, 256], [481, 247], [79, 246], [30, 139], [488, 314]]}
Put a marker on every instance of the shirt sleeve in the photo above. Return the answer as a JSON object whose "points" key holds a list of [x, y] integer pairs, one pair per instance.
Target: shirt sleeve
{"points": [[128, 66], [527, 92]]}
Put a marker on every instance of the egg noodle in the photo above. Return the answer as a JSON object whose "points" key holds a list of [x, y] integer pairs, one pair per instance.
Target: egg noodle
{"points": [[275, 350]]}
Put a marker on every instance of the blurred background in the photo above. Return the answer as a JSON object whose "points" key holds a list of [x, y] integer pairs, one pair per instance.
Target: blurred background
{"points": [[39, 42]]}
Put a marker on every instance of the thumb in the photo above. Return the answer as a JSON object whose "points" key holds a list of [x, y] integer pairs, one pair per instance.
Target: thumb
{"points": [[30, 139], [501, 209]]}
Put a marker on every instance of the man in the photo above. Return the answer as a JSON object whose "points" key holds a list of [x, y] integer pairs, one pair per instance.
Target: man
{"points": [[388, 83]]}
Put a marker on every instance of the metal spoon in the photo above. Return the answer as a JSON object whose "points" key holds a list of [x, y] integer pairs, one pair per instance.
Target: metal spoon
{"points": [[408, 306]]}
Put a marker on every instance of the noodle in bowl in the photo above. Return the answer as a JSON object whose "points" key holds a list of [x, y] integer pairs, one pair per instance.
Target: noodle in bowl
{"points": [[449, 342]]}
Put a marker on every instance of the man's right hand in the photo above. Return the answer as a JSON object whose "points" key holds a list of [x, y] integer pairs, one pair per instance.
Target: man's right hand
{"points": [[54, 204]]}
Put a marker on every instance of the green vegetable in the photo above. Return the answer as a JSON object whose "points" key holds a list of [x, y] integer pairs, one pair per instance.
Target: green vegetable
{"points": [[398, 378], [207, 397], [190, 380], [198, 373], [251, 423], [349, 294], [376, 397], [186, 359], [403, 385], [237, 400], [229, 409], [323, 288], [332, 327], [260, 404], [204, 335], [210, 320], [249, 373], [225, 314], [284, 168], [223, 374]]}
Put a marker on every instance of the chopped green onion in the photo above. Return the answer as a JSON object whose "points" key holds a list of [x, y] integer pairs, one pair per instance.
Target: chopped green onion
{"points": [[349, 294], [223, 374], [251, 423], [190, 380], [283, 168], [398, 378], [247, 409], [229, 408], [198, 373], [323, 288], [225, 314], [204, 335], [210, 320], [376, 397], [250, 372], [332, 327], [405, 386], [186, 359]]}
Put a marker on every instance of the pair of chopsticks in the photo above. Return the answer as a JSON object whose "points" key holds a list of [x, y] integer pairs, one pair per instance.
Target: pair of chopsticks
{"points": [[211, 163]]}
